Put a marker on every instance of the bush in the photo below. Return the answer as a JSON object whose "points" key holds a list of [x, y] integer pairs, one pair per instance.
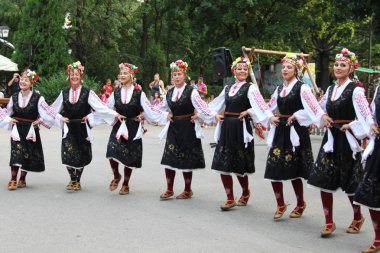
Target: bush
{"points": [[51, 87]]}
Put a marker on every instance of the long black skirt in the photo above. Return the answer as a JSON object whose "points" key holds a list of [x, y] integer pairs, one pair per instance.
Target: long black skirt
{"points": [[285, 164], [183, 150], [231, 156], [76, 150], [368, 192], [337, 169], [127, 152], [26, 153]]}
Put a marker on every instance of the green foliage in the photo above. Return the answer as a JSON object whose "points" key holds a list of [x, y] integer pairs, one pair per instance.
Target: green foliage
{"points": [[214, 90], [40, 39], [51, 86]]}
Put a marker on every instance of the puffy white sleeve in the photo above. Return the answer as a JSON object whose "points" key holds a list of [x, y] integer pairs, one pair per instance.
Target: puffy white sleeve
{"points": [[9, 110], [5, 120], [101, 111], [273, 100], [163, 105], [218, 105], [323, 100], [312, 112], [361, 106], [57, 104], [47, 113], [151, 113], [259, 111], [111, 101], [373, 105], [203, 110]]}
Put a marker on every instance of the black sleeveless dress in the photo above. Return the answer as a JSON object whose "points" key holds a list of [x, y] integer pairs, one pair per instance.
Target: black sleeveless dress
{"points": [[183, 150], [283, 163], [76, 150], [26, 153], [231, 156], [368, 192], [337, 169], [128, 152]]}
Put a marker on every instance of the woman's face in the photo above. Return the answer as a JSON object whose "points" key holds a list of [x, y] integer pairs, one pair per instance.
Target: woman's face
{"points": [[125, 76], [75, 78], [288, 71], [179, 78], [156, 77], [341, 69], [25, 83], [241, 71]]}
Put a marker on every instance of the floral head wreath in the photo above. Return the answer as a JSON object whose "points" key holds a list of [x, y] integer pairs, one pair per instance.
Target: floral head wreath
{"points": [[132, 67], [179, 65], [30, 73], [241, 60], [348, 57], [75, 65], [294, 60]]}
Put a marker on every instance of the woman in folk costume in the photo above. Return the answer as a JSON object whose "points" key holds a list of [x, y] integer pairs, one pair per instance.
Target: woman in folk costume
{"points": [[125, 145], [183, 148], [28, 110], [76, 104], [338, 164], [368, 192], [290, 156], [234, 153]]}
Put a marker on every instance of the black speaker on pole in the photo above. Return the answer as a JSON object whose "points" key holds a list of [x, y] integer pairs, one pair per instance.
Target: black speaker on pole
{"points": [[222, 59]]}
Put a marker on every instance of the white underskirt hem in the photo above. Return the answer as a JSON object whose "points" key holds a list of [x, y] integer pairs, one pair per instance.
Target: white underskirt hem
{"points": [[177, 169], [77, 168], [284, 180], [372, 208], [328, 191], [133, 168], [20, 168], [231, 173]]}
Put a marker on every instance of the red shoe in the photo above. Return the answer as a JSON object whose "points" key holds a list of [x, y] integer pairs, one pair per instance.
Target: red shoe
{"points": [[279, 212], [298, 211], [114, 184], [228, 205], [166, 195], [375, 247], [355, 226], [243, 201], [328, 229], [185, 195], [12, 185]]}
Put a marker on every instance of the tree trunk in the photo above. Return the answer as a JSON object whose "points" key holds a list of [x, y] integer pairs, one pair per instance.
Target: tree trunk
{"points": [[323, 79]]}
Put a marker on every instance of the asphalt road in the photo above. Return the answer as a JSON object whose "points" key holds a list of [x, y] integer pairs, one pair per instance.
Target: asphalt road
{"points": [[45, 218]]}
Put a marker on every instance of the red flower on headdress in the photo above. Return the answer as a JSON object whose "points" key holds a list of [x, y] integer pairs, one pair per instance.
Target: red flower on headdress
{"points": [[344, 51], [356, 65]]}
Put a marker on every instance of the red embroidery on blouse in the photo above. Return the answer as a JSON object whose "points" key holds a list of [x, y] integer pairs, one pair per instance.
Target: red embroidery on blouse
{"points": [[271, 101], [202, 106], [259, 100], [311, 101], [362, 102], [48, 109]]}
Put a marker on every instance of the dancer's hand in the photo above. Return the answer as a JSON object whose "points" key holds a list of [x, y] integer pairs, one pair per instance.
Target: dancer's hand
{"points": [[170, 117], [64, 119], [219, 118], [13, 121], [344, 127], [193, 118], [291, 119], [374, 129], [275, 120], [243, 114], [327, 121]]}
